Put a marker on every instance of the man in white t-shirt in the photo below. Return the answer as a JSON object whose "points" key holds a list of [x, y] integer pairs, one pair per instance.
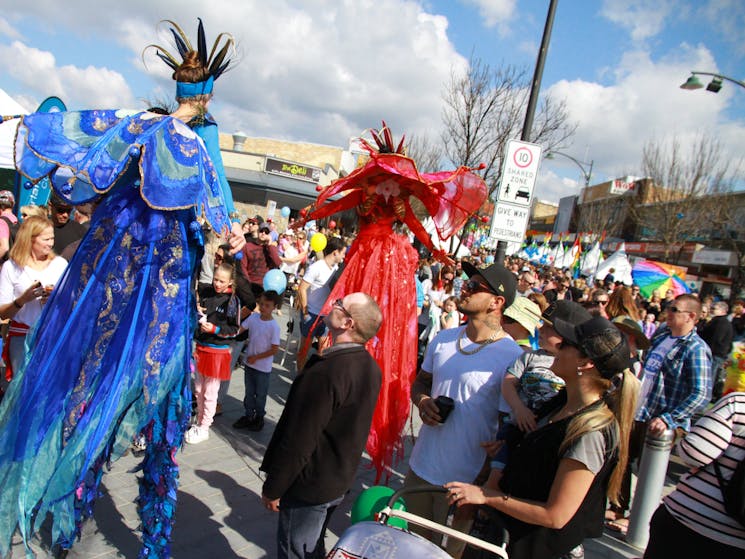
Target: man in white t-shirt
{"points": [[314, 289], [466, 364]]}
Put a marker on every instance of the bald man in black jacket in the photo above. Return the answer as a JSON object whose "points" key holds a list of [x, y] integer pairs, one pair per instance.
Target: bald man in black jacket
{"points": [[316, 447]]}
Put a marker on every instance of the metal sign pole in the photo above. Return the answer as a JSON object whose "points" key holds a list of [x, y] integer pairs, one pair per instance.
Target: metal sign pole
{"points": [[533, 99]]}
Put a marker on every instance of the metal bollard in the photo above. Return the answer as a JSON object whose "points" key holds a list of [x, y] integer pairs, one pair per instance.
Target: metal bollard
{"points": [[651, 480]]}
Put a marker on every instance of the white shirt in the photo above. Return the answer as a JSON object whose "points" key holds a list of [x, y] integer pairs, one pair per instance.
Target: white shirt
{"points": [[262, 335], [14, 280], [451, 451], [290, 252], [317, 276]]}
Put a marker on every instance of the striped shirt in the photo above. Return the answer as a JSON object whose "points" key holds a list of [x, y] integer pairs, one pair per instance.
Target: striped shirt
{"points": [[697, 499]]}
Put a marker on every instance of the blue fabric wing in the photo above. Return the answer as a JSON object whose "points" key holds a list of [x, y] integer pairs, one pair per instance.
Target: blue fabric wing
{"points": [[85, 153], [59, 145]]}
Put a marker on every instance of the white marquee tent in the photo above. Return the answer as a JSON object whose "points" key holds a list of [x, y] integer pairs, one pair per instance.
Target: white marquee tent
{"points": [[8, 107], [620, 264]]}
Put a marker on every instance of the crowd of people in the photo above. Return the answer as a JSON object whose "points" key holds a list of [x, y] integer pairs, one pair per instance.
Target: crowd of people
{"points": [[589, 367], [535, 389], [662, 348]]}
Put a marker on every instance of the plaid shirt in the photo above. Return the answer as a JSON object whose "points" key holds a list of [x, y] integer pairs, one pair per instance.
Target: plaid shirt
{"points": [[683, 385]]}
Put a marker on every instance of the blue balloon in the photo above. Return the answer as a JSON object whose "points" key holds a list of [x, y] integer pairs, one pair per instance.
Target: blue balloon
{"points": [[285, 211], [275, 280]]}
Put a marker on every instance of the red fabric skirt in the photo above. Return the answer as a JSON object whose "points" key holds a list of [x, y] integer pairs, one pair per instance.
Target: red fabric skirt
{"points": [[382, 264], [16, 329], [213, 361]]}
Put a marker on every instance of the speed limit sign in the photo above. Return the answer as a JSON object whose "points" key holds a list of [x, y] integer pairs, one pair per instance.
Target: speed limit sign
{"points": [[519, 173]]}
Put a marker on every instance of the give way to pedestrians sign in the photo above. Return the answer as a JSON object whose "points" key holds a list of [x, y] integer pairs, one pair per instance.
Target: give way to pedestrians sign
{"points": [[509, 222]]}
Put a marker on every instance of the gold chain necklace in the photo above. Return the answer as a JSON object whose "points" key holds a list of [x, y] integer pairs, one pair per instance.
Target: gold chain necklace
{"points": [[481, 345]]}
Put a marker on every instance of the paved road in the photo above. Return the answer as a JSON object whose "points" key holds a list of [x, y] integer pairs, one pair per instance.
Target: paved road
{"points": [[219, 508]]}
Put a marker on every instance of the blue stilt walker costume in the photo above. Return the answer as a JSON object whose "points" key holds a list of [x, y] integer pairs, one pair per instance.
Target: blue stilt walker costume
{"points": [[110, 356]]}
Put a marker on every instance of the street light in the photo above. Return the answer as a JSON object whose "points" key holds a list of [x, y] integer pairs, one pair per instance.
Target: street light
{"points": [[714, 85], [586, 172]]}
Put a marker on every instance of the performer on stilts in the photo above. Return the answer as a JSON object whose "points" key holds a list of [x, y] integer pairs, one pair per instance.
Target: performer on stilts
{"points": [[111, 354], [382, 262]]}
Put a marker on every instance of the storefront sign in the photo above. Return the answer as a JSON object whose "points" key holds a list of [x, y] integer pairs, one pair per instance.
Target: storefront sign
{"points": [[292, 170], [622, 186], [715, 257]]}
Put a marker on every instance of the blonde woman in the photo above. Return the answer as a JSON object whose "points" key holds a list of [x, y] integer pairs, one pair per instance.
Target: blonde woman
{"points": [[553, 490], [38, 211], [26, 280]]}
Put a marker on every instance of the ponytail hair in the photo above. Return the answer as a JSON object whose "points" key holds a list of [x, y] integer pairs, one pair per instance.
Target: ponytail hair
{"points": [[622, 401], [616, 411]]}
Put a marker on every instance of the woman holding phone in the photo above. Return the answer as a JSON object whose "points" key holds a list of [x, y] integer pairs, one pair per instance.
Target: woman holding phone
{"points": [[26, 280]]}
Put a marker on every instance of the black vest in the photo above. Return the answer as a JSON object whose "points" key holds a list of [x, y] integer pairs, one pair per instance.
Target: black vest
{"points": [[529, 474]]}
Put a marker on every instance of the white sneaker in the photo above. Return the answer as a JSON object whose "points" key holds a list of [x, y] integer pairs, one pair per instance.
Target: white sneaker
{"points": [[197, 434]]}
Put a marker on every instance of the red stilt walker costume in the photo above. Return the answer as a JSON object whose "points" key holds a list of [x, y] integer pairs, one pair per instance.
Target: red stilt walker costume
{"points": [[382, 263]]}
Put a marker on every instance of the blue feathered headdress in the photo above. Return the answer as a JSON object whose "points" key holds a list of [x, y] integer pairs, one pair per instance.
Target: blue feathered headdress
{"points": [[216, 63]]}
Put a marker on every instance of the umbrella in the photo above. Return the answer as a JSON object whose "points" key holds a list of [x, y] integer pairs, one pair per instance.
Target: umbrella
{"points": [[652, 276]]}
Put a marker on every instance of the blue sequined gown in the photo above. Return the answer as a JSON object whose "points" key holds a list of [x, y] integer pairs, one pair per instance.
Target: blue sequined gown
{"points": [[111, 354]]}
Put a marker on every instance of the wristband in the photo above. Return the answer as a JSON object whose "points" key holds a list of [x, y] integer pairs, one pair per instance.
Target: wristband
{"points": [[16, 305]]}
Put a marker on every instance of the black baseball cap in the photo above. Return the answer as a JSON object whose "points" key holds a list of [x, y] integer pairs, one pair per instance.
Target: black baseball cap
{"points": [[568, 311], [499, 278], [599, 340]]}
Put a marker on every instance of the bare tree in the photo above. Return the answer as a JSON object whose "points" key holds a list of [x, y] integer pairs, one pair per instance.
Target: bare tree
{"points": [[679, 201], [485, 107], [729, 234], [607, 214], [427, 153]]}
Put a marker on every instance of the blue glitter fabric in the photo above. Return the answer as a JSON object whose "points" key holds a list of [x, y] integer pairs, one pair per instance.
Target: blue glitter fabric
{"points": [[111, 353]]}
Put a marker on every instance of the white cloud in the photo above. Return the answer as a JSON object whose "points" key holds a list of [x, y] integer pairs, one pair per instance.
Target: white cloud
{"points": [[494, 12], [645, 102], [551, 187], [38, 71], [318, 70], [643, 18], [7, 29], [325, 70]]}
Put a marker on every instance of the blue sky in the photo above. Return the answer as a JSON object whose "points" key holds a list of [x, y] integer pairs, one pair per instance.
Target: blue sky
{"points": [[323, 71]]}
